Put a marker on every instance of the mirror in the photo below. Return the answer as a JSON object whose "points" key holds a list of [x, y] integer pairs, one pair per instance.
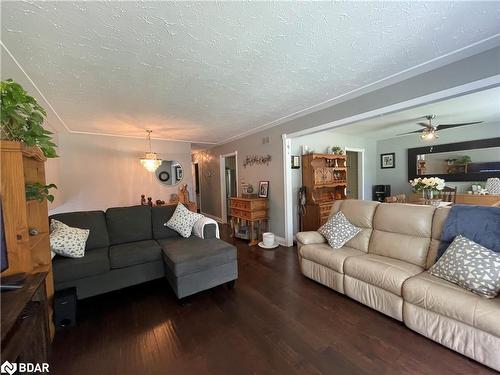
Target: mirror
{"points": [[463, 161], [169, 172]]}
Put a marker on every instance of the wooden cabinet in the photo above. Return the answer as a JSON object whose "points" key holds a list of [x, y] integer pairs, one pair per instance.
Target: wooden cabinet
{"points": [[249, 218], [29, 254], [325, 178], [25, 328]]}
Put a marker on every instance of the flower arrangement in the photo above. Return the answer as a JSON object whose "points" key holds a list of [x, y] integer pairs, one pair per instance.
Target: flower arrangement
{"points": [[427, 183]]}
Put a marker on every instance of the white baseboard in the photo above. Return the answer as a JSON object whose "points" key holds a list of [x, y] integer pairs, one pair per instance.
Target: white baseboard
{"points": [[216, 218], [282, 241]]}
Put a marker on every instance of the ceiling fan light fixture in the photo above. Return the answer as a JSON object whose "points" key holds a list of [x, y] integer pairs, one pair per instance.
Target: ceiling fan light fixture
{"points": [[150, 160], [429, 134]]}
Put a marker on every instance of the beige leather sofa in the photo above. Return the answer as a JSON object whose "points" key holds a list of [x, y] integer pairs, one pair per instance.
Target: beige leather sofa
{"points": [[384, 267]]}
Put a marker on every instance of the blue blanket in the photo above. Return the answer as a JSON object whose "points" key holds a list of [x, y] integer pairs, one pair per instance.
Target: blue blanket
{"points": [[480, 224]]}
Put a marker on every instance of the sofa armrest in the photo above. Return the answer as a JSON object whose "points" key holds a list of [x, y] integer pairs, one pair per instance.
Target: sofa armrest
{"points": [[306, 238], [209, 231]]}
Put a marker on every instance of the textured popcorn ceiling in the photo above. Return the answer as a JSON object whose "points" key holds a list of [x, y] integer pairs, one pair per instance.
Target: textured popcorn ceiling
{"points": [[208, 71]]}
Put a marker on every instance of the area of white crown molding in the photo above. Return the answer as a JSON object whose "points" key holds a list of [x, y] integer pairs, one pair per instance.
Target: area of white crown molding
{"points": [[211, 71]]}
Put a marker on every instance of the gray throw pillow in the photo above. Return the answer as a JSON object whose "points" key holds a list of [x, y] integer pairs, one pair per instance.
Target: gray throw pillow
{"points": [[338, 230], [470, 266]]}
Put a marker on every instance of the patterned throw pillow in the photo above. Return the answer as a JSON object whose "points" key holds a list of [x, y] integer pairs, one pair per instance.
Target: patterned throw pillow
{"points": [[182, 220], [470, 266], [338, 230], [67, 241]]}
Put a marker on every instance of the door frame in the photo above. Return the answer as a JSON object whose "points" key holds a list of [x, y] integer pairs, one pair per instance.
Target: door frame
{"points": [[222, 163], [467, 88], [361, 170], [194, 180]]}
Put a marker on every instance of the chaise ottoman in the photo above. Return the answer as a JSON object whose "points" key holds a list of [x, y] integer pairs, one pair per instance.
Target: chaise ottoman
{"points": [[195, 264]]}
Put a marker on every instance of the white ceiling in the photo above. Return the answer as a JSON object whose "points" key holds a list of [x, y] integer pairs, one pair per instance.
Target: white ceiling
{"points": [[209, 71], [479, 106]]}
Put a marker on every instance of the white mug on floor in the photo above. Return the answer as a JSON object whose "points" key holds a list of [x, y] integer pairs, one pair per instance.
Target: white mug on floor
{"points": [[268, 238]]}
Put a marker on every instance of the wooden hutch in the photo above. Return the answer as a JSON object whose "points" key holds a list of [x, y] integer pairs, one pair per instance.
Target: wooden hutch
{"points": [[325, 178], [30, 254]]}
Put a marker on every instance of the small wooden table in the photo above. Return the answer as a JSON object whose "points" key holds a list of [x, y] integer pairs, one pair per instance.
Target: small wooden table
{"points": [[249, 218]]}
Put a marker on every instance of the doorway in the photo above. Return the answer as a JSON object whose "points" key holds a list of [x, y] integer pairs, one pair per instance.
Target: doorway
{"points": [[197, 190], [352, 190], [229, 183]]}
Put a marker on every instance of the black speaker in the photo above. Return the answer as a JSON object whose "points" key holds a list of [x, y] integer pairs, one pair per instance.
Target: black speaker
{"points": [[65, 308], [380, 192]]}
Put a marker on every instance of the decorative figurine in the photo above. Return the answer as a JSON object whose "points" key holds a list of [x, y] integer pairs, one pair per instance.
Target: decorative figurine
{"points": [[150, 201], [143, 199]]}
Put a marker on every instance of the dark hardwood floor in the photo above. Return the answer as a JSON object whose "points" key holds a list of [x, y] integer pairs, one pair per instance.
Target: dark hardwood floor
{"points": [[275, 321]]}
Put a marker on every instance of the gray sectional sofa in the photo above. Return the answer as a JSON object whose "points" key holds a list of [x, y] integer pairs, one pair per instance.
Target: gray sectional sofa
{"points": [[131, 245]]}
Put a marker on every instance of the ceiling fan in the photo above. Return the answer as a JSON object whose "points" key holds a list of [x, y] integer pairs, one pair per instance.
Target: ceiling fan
{"points": [[430, 130]]}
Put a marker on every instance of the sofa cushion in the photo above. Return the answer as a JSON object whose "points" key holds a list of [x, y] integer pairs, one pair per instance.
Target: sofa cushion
{"points": [[188, 255], [360, 213], [95, 221], [183, 220], [470, 266], [440, 216], [129, 224], [338, 230], [67, 241], [134, 253], [94, 262], [383, 272], [402, 231], [323, 254], [159, 216], [442, 297]]}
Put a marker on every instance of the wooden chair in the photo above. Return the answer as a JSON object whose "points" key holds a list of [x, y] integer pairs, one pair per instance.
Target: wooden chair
{"points": [[449, 194], [400, 198]]}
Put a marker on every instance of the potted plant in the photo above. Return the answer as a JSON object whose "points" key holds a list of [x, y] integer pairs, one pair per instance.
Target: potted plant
{"points": [[427, 185], [22, 118], [337, 150]]}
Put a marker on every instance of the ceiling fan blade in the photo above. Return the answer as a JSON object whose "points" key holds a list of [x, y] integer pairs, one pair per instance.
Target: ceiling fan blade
{"points": [[424, 124], [416, 131], [449, 126]]}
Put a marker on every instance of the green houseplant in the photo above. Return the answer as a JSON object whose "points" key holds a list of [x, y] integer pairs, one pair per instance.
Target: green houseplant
{"points": [[39, 192], [22, 118]]}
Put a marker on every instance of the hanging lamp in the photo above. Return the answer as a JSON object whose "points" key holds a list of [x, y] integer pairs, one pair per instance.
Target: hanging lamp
{"points": [[150, 161]]}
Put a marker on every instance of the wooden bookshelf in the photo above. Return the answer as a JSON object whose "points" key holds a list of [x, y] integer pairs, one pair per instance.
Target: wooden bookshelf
{"points": [[30, 254]]}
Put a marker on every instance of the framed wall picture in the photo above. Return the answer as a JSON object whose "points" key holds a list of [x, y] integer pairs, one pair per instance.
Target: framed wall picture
{"points": [[295, 162], [263, 189], [388, 160], [178, 173]]}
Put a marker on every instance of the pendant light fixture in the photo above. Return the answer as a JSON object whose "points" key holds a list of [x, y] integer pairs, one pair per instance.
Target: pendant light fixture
{"points": [[150, 161]]}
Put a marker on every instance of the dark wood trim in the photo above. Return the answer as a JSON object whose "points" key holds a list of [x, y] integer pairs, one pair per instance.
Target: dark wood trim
{"points": [[458, 146]]}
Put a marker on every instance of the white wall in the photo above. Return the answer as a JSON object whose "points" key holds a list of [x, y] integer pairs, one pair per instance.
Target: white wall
{"points": [[319, 143], [97, 172], [398, 177]]}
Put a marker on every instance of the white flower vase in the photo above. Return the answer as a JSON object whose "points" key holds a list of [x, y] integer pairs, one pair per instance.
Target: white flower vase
{"points": [[428, 194]]}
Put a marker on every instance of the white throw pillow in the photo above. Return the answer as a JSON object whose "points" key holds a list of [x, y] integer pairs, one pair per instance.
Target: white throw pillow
{"points": [[182, 220], [67, 241], [470, 266], [338, 230]]}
